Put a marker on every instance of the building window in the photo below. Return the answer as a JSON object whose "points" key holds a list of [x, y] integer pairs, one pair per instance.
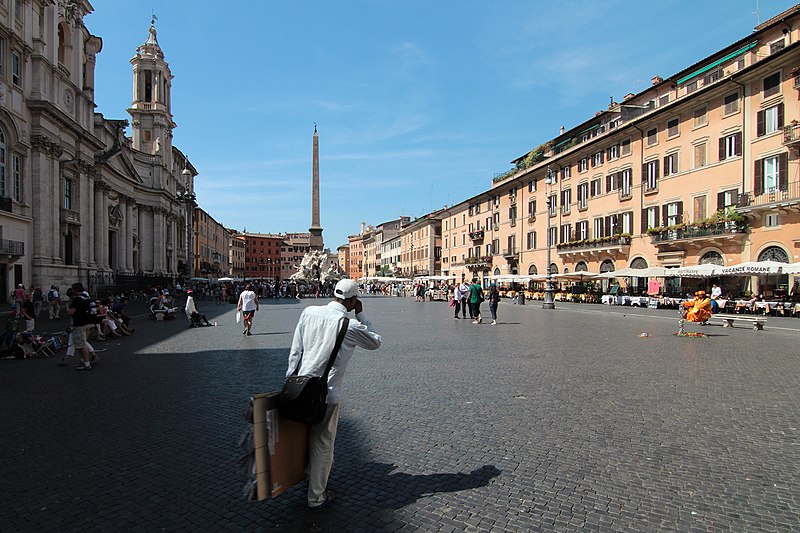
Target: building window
{"points": [[582, 230], [727, 199], [771, 174], [2, 56], [596, 187], [512, 215], [691, 87], [530, 241], [769, 120], [700, 155], [496, 246], [777, 46], [700, 210], [712, 76], [730, 146], [650, 218], [625, 147], [566, 233], [552, 236], [611, 182], [613, 152], [673, 213], [552, 205], [599, 228], [67, 193], [731, 104], [532, 186], [652, 136], [671, 164], [772, 84], [566, 200], [673, 127], [566, 172], [699, 117], [532, 208], [583, 195], [597, 159], [771, 220], [583, 165], [650, 178], [16, 69], [16, 169], [18, 10], [625, 183], [664, 100], [626, 222]]}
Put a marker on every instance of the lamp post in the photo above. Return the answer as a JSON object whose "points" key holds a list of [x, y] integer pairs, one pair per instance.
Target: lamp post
{"points": [[188, 198], [412, 261], [548, 303]]}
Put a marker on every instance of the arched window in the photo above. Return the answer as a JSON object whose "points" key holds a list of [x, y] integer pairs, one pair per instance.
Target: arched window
{"points": [[774, 253], [581, 267], [63, 38], [639, 263], [532, 270], [553, 268], [607, 266], [712, 258], [496, 271]]}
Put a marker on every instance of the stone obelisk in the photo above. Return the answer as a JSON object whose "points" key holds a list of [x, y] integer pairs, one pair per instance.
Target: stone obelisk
{"points": [[315, 240]]}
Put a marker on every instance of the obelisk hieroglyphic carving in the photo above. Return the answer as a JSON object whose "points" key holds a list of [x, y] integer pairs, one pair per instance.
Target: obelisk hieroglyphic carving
{"points": [[315, 241]]}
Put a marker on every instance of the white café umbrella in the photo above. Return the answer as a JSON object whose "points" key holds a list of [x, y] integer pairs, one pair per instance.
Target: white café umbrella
{"points": [[695, 271], [621, 273], [224, 280], [792, 268], [650, 272], [753, 268], [578, 275]]}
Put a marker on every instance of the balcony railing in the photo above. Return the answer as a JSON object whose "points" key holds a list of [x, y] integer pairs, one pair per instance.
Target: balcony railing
{"points": [[16, 248], [510, 252], [696, 232], [5, 204], [770, 196], [594, 244], [791, 135], [476, 235]]}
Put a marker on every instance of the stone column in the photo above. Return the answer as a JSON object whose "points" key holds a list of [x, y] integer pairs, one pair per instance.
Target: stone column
{"points": [[98, 224], [159, 248], [130, 229], [41, 168]]}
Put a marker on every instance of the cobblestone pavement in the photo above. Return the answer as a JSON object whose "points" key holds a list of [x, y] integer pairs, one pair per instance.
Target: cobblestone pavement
{"points": [[562, 420]]}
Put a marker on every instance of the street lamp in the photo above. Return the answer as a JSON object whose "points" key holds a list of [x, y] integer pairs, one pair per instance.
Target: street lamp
{"points": [[412, 261], [186, 196], [549, 303]]}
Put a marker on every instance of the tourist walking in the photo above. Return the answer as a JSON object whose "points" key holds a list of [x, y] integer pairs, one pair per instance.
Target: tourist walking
{"points": [[37, 300], [314, 338], [54, 299], [463, 289], [79, 310], [475, 299], [457, 297], [494, 300], [29, 313], [248, 305]]}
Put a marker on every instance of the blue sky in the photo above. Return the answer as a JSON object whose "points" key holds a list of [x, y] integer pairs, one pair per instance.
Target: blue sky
{"points": [[418, 103]]}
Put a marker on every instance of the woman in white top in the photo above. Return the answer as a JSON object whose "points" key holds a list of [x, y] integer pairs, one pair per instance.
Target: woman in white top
{"points": [[248, 305]]}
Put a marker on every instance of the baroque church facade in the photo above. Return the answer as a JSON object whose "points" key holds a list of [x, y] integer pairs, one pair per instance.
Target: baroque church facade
{"points": [[79, 199]]}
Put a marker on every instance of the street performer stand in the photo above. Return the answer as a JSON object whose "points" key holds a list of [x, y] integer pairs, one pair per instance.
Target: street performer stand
{"points": [[697, 310]]}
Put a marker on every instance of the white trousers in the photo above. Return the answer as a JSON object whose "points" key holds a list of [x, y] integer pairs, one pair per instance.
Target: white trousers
{"points": [[321, 438]]}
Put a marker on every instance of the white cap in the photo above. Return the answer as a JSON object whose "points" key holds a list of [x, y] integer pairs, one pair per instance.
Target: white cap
{"points": [[346, 288]]}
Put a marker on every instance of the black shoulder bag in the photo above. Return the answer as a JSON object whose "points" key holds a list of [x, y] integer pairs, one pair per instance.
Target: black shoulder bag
{"points": [[305, 398]]}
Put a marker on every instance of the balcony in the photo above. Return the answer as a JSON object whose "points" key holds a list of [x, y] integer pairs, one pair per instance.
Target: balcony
{"points": [[595, 247], [791, 135], [476, 235], [13, 248], [510, 252], [475, 263], [68, 216], [786, 200], [698, 236], [5, 204]]}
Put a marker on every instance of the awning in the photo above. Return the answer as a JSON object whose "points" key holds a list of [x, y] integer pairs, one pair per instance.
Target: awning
{"points": [[718, 62]]}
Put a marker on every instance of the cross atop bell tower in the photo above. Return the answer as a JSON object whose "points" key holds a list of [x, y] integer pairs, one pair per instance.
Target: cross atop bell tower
{"points": [[151, 108]]}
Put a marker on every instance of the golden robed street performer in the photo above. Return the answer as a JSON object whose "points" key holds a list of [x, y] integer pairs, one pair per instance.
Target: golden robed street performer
{"points": [[697, 310]]}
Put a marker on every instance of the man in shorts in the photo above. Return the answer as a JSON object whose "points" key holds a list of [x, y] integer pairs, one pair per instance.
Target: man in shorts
{"points": [[81, 320]]}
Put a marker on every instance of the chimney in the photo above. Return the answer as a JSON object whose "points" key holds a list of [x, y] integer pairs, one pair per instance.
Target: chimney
{"points": [[561, 132], [363, 228], [628, 97], [656, 80]]}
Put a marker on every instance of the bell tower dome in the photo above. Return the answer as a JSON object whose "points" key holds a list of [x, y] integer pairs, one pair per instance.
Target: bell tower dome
{"points": [[151, 108]]}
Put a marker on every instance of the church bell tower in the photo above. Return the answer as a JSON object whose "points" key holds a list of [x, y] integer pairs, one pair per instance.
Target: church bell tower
{"points": [[151, 108]]}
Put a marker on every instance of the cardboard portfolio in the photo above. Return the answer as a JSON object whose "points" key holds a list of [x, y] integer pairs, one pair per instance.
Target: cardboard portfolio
{"points": [[281, 448]]}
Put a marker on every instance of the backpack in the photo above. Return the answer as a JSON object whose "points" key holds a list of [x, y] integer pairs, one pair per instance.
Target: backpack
{"points": [[51, 296]]}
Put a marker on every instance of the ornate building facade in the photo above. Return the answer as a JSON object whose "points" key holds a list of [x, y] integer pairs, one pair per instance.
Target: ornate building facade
{"points": [[81, 201]]}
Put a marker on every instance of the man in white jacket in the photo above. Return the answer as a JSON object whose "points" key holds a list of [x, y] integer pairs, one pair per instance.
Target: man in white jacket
{"points": [[195, 318], [314, 339]]}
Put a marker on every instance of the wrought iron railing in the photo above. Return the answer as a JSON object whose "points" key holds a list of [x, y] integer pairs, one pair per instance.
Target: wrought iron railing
{"points": [[695, 232], [590, 244], [771, 195], [12, 247]]}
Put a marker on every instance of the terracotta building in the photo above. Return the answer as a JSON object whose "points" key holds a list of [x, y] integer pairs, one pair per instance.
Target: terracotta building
{"points": [[263, 255], [211, 247]]}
